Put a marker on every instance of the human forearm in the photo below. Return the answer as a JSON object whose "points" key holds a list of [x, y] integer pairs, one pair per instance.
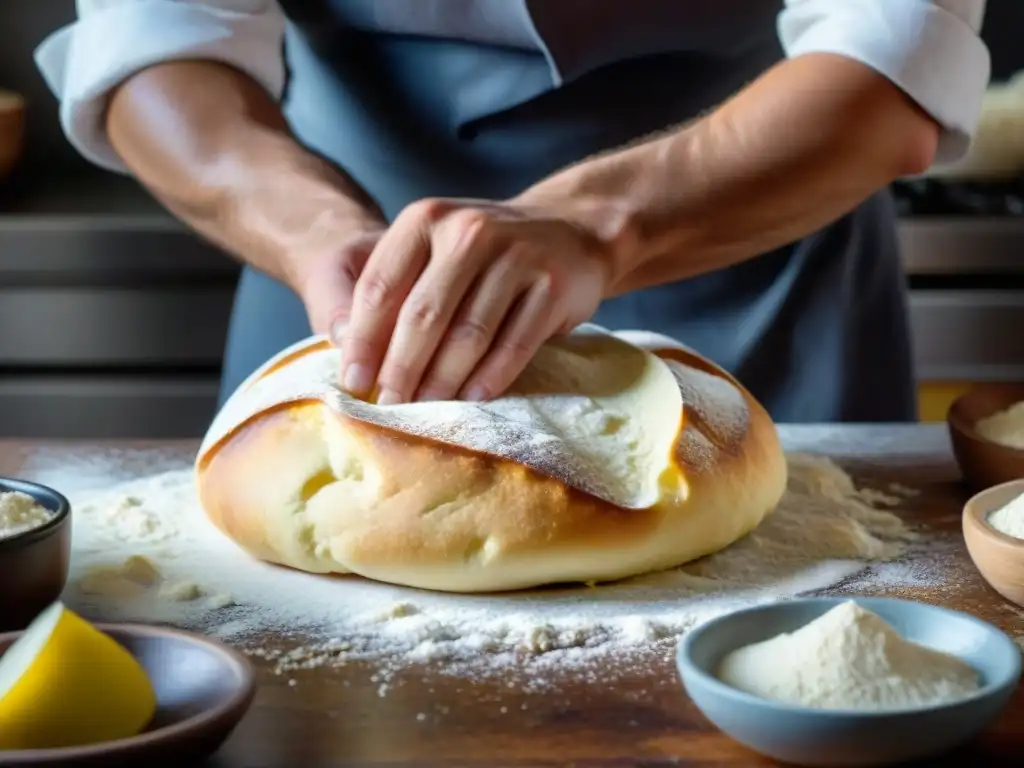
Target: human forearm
{"points": [[798, 148], [221, 157]]}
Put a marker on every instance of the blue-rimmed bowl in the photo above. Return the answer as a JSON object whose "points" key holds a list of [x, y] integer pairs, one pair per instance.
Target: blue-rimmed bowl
{"points": [[831, 737], [34, 564]]}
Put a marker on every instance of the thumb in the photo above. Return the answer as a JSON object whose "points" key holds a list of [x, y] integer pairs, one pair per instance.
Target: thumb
{"points": [[330, 282]]}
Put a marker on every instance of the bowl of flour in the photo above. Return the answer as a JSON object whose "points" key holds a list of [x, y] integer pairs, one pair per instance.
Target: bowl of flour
{"points": [[849, 682], [986, 429], [35, 550], [993, 528]]}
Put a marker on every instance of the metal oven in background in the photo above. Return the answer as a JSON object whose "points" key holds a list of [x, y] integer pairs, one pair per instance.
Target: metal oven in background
{"points": [[112, 315], [963, 247]]}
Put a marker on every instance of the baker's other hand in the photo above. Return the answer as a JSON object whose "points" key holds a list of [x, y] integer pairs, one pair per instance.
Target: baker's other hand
{"points": [[327, 278], [458, 295]]}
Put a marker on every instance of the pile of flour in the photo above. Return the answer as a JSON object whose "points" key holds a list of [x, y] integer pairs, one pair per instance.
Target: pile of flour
{"points": [[143, 551], [1005, 427], [848, 658], [20, 513], [1009, 519]]}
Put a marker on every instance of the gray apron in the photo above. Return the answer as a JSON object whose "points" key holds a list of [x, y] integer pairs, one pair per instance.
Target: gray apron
{"points": [[482, 98]]}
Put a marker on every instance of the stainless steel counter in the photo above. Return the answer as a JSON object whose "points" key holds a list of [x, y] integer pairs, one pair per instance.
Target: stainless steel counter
{"points": [[113, 316]]}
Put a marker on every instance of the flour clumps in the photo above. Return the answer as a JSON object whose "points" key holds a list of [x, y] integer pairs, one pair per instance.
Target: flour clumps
{"points": [[138, 577], [125, 580], [848, 658], [1009, 519], [1005, 427], [20, 513]]}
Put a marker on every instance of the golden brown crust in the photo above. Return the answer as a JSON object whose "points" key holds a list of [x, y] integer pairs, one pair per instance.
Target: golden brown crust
{"points": [[429, 495], [305, 486]]}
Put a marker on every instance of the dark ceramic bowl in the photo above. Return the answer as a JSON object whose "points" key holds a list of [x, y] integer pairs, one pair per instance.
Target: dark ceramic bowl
{"points": [[982, 462], [203, 690], [34, 564]]}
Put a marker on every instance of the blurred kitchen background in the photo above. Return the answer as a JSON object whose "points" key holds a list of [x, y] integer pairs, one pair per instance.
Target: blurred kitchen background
{"points": [[112, 316]]}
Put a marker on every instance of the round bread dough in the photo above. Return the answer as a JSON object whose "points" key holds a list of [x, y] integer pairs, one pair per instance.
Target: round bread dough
{"points": [[612, 455]]}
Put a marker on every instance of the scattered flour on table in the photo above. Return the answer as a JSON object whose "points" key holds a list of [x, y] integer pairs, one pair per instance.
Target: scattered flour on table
{"points": [[1005, 427], [143, 551], [20, 513], [1009, 519]]}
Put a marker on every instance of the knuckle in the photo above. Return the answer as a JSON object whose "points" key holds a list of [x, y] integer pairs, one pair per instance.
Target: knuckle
{"points": [[429, 209], [470, 224], [472, 333], [349, 264], [515, 349], [552, 286], [422, 314], [516, 257], [340, 317], [374, 291]]}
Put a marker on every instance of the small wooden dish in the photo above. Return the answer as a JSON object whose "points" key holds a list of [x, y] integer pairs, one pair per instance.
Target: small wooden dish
{"points": [[982, 462], [12, 131], [998, 557]]}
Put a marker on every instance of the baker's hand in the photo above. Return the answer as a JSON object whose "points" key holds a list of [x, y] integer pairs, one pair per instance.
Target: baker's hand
{"points": [[458, 295], [327, 278]]}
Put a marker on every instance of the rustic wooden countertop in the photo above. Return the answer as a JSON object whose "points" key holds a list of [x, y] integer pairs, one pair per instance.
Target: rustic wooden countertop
{"points": [[335, 717]]}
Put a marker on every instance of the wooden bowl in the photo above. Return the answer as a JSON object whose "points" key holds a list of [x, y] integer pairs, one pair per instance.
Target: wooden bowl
{"points": [[12, 131], [982, 462], [998, 557]]}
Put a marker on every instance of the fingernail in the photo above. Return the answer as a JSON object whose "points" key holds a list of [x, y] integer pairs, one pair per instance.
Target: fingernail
{"points": [[338, 333], [476, 394], [358, 379], [388, 397]]}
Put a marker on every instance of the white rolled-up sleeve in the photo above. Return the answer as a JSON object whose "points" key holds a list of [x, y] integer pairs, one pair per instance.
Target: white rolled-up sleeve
{"points": [[931, 49], [113, 39]]}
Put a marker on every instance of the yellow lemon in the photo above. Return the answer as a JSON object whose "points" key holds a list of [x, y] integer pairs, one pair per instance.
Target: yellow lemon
{"points": [[64, 683]]}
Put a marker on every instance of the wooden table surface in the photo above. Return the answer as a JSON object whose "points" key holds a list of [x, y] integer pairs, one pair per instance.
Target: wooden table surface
{"points": [[335, 717]]}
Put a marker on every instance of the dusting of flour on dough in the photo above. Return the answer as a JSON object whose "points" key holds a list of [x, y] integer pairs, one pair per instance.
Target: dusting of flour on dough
{"points": [[848, 658], [823, 533], [537, 423]]}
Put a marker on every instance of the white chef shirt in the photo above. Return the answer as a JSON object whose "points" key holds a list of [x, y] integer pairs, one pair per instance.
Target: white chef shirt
{"points": [[931, 49]]}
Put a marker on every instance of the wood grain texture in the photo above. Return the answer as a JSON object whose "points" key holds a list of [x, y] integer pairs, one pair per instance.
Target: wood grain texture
{"points": [[336, 717]]}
